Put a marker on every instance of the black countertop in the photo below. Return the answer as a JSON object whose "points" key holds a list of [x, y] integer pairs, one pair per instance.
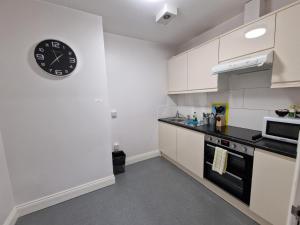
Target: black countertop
{"points": [[243, 136]]}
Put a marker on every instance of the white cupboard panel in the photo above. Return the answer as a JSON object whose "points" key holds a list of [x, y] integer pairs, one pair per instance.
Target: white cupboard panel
{"points": [[286, 65], [200, 62], [235, 44], [271, 186], [177, 73], [190, 150], [167, 140]]}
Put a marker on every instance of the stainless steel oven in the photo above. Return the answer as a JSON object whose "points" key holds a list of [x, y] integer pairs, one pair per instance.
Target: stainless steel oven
{"points": [[238, 176]]}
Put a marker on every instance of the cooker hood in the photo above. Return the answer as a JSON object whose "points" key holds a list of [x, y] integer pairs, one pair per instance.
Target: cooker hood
{"points": [[255, 63]]}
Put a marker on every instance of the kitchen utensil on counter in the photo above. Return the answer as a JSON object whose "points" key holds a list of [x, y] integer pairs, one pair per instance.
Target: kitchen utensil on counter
{"points": [[222, 110], [212, 119], [205, 118]]}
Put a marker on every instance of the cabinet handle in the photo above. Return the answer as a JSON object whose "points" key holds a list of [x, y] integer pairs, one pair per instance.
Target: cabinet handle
{"points": [[230, 153]]}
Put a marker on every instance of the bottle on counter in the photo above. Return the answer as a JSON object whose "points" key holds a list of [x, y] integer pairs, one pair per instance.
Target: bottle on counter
{"points": [[195, 118], [292, 111], [205, 119]]}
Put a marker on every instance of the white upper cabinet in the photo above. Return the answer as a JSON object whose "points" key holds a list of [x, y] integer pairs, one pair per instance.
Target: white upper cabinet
{"points": [[286, 65], [200, 62], [177, 73], [235, 44]]}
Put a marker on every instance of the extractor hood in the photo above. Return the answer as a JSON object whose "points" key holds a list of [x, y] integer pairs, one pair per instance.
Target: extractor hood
{"points": [[255, 63]]}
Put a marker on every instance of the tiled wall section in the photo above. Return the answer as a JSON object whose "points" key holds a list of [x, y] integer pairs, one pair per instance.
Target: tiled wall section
{"points": [[249, 97]]}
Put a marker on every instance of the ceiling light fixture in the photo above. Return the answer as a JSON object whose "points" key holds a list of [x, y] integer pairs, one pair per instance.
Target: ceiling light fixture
{"points": [[166, 14], [255, 33]]}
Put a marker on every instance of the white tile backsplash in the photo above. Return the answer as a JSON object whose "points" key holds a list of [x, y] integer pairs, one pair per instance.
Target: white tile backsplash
{"points": [[249, 96], [271, 99], [259, 79], [251, 119], [217, 97], [236, 98]]}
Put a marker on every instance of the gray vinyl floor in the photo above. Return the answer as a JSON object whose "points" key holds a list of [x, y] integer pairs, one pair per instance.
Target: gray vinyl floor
{"points": [[153, 192]]}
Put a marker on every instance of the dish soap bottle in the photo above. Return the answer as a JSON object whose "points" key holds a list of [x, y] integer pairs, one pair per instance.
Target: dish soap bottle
{"points": [[195, 117]]}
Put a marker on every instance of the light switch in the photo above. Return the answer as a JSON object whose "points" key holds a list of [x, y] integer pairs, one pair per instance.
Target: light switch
{"points": [[114, 114]]}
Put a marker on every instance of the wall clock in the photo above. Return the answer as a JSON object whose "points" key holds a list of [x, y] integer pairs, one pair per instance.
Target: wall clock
{"points": [[55, 57]]}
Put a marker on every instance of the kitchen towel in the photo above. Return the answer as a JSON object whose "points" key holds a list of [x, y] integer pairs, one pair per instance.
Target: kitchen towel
{"points": [[220, 160]]}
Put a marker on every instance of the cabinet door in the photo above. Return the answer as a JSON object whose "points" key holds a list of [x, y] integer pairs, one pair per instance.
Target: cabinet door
{"points": [[167, 140], [286, 65], [200, 63], [190, 150], [235, 44], [177, 73], [271, 186]]}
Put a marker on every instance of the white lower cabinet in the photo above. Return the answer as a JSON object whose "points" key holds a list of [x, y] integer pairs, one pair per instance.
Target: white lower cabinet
{"points": [[190, 150], [167, 140], [271, 186], [185, 147], [272, 173]]}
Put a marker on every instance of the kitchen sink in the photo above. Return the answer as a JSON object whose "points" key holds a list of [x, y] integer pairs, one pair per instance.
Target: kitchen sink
{"points": [[177, 119]]}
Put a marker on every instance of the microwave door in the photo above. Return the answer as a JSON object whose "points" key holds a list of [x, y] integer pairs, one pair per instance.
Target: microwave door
{"points": [[286, 130]]}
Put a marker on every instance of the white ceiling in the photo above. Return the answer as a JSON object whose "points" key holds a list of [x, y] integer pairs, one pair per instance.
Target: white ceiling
{"points": [[136, 18]]}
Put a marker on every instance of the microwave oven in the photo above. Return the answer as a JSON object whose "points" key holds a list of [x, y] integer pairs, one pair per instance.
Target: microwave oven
{"points": [[282, 129]]}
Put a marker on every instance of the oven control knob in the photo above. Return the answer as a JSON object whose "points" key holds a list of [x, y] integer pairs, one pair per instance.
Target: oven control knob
{"points": [[234, 145], [210, 138], [245, 149]]}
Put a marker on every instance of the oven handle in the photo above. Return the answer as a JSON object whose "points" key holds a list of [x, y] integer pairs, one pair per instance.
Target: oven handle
{"points": [[230, 174], [230, 153]]}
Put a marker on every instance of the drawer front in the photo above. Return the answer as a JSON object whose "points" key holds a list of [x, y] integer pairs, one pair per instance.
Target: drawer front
{"points": [[235, 44]]}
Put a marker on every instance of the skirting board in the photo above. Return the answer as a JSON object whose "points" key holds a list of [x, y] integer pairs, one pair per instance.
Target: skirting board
{"points": [[141, 157], [12, 217], [50, 200]]}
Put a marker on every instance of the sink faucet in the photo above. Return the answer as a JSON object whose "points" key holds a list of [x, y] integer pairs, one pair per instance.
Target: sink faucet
{"points": [[179, 115]]}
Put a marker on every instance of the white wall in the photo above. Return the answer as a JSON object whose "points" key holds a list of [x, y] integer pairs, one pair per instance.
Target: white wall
{"points": [[55, 134], [6, 197], [216, 31], [137, 75], [228, 25], [249, 96]]}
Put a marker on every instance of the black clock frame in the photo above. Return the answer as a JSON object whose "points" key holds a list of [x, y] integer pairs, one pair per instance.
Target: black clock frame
{"points": [[55, 57]]}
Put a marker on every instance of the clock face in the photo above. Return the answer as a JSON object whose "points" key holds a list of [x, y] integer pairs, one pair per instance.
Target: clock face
{"points": [[55, 57]]}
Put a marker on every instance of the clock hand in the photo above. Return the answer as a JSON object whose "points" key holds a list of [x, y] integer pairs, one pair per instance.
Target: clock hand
{"points": [[54, 54], [57, 59]]}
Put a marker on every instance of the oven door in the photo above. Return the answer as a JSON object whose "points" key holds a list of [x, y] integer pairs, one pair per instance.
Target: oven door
{"points": [[238, 176]]}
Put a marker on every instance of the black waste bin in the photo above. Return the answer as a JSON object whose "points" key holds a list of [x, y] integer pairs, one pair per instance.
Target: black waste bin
{"points": [[119, 158]]}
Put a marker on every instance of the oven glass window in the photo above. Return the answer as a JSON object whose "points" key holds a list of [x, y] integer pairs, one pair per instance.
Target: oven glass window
{"points": [[284, 130]]}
